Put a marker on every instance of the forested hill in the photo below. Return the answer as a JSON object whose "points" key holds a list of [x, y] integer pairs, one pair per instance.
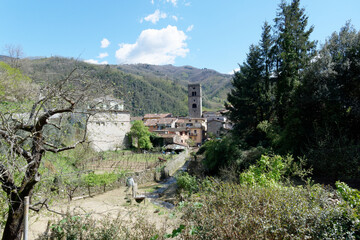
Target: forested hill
{"points": [[145, 88], [215, 85]]}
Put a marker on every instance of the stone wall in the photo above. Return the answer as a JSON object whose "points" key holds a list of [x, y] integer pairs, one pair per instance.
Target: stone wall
{"points": [[176, 163]]}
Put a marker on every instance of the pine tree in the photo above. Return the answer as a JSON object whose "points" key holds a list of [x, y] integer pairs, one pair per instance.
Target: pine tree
{"points": [[247, 96], [293, 51]]}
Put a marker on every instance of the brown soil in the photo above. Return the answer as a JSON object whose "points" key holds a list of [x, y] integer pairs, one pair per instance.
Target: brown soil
{"points": [[109, 204]]}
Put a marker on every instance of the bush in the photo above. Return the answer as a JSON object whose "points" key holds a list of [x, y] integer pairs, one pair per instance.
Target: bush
{"points": [[187, 182], [273, 170], [352, 199], [233, 211], [83, 226], [220, 153]]}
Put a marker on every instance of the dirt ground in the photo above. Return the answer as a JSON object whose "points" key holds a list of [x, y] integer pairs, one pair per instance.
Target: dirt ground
{"points": [[109, 204]]}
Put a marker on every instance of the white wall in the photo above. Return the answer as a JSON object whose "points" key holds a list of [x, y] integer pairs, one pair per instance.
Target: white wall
{"points": [[107, 131]]}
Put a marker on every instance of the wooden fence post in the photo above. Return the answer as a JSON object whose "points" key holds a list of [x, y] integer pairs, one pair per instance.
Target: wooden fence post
{"points": [[26, 218]]}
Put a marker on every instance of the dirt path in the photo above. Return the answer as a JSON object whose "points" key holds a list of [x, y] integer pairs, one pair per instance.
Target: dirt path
{"points": [[109, 204]]}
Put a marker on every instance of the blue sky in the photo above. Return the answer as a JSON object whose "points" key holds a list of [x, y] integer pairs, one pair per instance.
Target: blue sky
{"points": [[205, 34]]}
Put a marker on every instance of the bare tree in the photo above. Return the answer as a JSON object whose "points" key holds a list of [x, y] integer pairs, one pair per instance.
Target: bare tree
{"points": [[15, 52], [24, 140]]}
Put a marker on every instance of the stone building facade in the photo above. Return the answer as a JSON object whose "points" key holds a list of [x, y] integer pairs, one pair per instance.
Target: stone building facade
{"points": [[108, 125]]}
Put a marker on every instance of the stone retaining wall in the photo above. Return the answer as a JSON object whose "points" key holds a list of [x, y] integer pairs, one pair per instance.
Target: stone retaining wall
{"points": [[176, 163]]}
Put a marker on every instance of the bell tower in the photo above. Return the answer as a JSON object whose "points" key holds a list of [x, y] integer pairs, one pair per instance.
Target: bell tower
{"points": [[195, 100]]}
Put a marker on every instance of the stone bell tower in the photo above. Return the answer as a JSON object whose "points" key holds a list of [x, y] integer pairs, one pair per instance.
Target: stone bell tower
{"points": [[195, 100]]}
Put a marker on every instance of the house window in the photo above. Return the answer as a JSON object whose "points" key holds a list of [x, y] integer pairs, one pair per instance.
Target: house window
{"points": [[193, 93], [195, 131], [194, 105]]}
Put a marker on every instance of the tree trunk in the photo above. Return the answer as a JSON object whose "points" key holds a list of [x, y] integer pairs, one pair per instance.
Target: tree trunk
{"points": [[14, 227]]}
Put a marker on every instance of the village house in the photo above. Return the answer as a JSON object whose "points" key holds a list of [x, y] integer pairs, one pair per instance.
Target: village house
{"points": [[177, 135], [217, 123], [196, 128], [155, 124], [108, 124], [218, 128], [214, 116]]}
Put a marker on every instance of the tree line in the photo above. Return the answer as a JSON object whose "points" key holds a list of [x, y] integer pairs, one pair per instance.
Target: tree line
{"points": [[290, 97]]}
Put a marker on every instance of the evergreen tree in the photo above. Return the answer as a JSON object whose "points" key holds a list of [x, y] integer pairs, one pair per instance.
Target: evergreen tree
{"points": [[329, 103], [247, 99], [294, 52], [266, 44]]}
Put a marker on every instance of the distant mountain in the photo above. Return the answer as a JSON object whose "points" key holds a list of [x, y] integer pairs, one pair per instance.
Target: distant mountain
{"points": [[215, 85], [145, 88], [4, 58]]}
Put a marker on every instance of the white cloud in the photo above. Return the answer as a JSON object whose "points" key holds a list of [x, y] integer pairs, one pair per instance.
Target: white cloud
{"points": [[92, 61], [187, 4], [174, 2], [152, 2], [155, 17], [175, 17], [234, 70], [154, 47], [105, 43], [190, 28], [103, 55]]}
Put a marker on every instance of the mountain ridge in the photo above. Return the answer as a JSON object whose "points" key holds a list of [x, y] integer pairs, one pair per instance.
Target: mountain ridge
{"points": [[145, 88]]}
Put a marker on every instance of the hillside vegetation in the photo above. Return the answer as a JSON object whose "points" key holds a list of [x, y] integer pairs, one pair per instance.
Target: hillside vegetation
{"points": [[145, 88]]}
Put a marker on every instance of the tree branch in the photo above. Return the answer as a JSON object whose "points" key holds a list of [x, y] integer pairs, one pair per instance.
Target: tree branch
{"points": [[6, 179], [57, 150], [32, 207], [15, 146]]}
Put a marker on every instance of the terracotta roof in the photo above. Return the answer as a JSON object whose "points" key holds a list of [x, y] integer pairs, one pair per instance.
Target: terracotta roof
{"points": [[166, 120], [150, 122], [157, 115], [136, 118], [154, 122]]}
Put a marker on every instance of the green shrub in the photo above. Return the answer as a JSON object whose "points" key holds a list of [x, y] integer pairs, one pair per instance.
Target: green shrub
{"points": [[187, 182], [350, 195], [233, 211], [273, 170], [220, 153]]}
